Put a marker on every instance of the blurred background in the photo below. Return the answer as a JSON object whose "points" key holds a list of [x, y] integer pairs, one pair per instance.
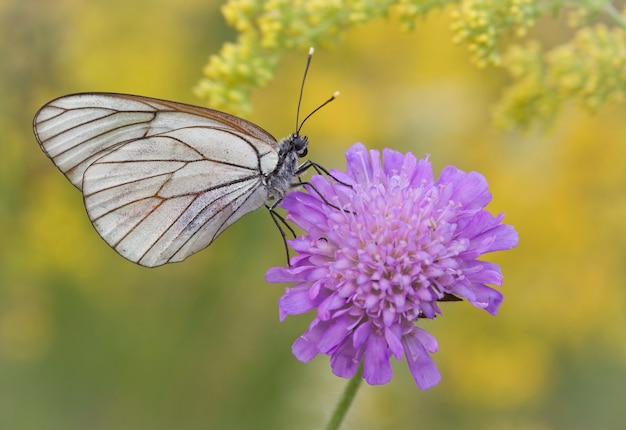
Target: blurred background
{"points": [[91, 341]]}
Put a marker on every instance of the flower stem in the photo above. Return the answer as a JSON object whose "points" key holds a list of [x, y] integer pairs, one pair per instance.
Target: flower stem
{"points": [[345, 400]]}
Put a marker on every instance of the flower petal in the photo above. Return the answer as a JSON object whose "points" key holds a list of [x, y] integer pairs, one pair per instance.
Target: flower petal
{"points": [[394, 161], [376, 366], [344, 362], [295, 302], [334, 335], [359, 164], [305, 348], [421, 365]]}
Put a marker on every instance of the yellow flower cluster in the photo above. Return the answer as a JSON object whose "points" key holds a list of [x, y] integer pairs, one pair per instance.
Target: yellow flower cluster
{"points": [[530, 97], [482, 23], [234, 73], [591, 68], [408, 11], [267, 30]]}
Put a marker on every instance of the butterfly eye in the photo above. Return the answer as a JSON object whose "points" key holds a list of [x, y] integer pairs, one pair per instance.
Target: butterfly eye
{"points": [[300, 145]]}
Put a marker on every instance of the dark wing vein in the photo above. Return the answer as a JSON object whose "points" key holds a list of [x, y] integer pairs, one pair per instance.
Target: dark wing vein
{"points": [[200, 220]]}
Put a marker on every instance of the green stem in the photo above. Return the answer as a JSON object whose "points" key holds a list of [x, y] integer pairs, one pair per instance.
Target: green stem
{"points": [[346, 400], [615, 15]]}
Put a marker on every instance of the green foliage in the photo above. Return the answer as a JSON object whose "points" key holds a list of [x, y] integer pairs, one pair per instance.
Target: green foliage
{"points": [[588, 68]]}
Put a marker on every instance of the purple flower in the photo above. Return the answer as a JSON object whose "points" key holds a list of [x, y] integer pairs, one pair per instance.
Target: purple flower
{"points": [[380, 256]]}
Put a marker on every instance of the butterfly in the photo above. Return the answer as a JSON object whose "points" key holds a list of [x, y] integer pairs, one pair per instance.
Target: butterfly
{"points": [[160, 179]]}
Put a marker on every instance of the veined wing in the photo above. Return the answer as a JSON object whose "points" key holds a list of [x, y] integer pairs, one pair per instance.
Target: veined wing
{"points": [[161, 180], [76, 130], [153, 210]]}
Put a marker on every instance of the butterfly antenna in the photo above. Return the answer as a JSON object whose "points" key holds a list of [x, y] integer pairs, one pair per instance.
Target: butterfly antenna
{"points": [[333, 97], [306, 70]]}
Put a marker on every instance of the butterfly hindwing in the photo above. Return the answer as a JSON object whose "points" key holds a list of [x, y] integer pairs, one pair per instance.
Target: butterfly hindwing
{"points": [[153, 211]]}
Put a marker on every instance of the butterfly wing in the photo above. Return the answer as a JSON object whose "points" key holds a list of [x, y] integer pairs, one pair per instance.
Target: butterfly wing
{"points": [[161, 180]]}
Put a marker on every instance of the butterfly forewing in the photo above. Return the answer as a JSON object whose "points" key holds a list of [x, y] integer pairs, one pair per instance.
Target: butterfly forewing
{"points": [[77, 129], [161, 180]]}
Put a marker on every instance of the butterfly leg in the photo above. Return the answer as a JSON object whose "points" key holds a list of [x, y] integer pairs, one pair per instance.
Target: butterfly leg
{"points": [[278, 220], [319, 169], [308, 164]]}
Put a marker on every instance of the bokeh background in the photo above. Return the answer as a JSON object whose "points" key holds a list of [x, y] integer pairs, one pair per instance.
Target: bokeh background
{"points": [[91, 341]]}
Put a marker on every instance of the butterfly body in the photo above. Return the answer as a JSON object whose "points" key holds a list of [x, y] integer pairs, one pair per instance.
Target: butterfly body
{"points": [[161, 180]]}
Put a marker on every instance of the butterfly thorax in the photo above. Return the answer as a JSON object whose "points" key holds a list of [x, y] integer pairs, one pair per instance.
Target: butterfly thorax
{"points": [[280, 180]]}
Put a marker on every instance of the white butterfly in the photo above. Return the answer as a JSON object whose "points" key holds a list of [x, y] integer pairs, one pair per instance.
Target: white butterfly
{"points": [[161, 180]]}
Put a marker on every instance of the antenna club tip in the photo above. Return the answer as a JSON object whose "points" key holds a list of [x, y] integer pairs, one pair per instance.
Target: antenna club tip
{"points": [[311, 51], [336, 94]]}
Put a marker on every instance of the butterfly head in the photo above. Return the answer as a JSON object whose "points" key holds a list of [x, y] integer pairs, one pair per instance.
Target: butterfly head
{"points": [[293, 147]]}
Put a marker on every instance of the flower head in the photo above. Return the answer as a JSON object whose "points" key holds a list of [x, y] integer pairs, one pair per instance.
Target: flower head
{"points": [[383, 244]]}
